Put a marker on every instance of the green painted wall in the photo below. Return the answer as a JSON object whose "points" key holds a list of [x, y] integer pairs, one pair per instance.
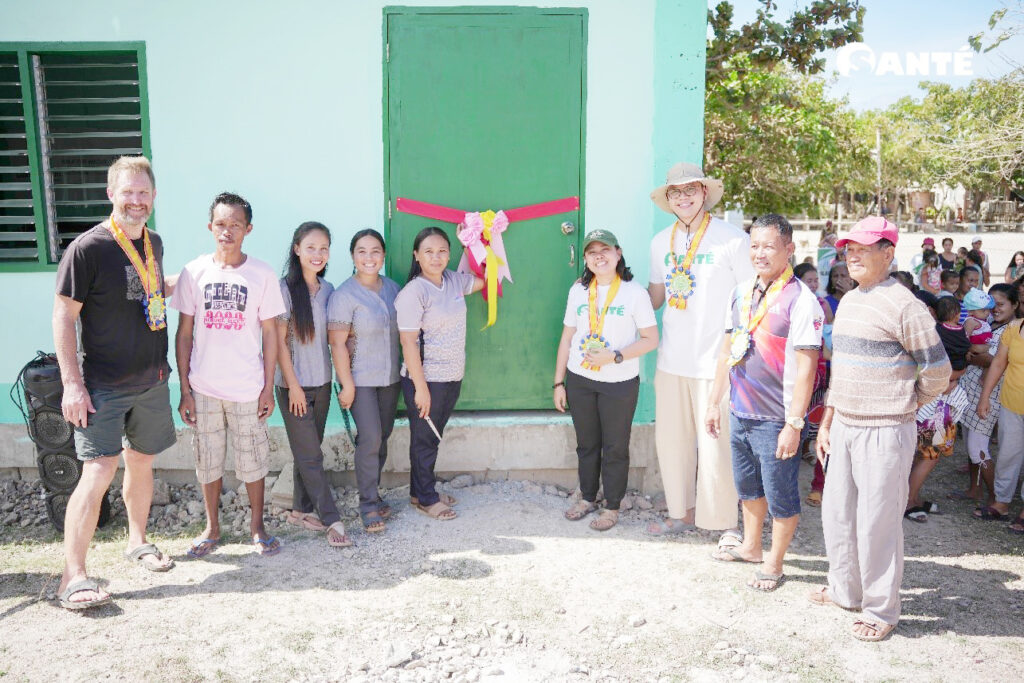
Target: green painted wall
{"points": [[281, 102]]}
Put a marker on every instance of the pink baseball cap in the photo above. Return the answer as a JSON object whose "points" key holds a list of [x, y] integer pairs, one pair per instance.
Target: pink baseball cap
{"points": [[928, 241], [870, 230]]}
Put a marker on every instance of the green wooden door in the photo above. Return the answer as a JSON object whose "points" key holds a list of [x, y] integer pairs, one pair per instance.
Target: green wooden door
{"points": [[484, 110]]}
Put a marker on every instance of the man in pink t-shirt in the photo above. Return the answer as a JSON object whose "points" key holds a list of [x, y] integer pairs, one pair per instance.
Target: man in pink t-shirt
{"points": [[227, 351]]}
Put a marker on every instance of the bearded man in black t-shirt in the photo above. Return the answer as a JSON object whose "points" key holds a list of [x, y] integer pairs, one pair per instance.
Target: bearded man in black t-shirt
{"points": [[110, 280]]}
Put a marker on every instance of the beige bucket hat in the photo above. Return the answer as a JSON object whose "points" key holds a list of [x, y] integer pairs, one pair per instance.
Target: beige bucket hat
{"points": [[681, 174]]}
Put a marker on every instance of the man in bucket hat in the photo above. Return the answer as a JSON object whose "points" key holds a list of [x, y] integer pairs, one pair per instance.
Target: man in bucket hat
{"points": [[695, 264], [887, 361]]}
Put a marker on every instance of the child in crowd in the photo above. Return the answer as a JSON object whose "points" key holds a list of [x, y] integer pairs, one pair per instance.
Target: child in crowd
{"points": [[936, 421], [931, 273], [949, 281], [227, 352], [816, 409], [979, 307]]}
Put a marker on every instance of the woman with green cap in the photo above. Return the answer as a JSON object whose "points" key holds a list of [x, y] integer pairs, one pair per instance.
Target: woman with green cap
{"points": [[609, 323]]}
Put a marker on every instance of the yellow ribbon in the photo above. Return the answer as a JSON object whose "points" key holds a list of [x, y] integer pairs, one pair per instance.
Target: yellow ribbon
{"points": [[493, 264]]}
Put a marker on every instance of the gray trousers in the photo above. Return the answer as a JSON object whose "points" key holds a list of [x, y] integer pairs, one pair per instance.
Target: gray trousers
{"points": [[374, 413], [866, 493], [1011, 455], [305, 436]]}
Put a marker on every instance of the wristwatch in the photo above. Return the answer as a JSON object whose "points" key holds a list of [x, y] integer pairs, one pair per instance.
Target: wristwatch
{"points": [[796, 423], [618, 356]]}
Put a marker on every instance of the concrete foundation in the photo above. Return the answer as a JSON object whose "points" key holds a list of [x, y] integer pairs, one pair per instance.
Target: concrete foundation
{"points": [[531, 446]]}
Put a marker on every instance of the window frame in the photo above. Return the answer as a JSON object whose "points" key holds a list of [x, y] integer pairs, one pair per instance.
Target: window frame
{"points": [[24, 52]]}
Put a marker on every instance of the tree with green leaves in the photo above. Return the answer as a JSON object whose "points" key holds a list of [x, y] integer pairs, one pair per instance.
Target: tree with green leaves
{"points": [[771, 132]]}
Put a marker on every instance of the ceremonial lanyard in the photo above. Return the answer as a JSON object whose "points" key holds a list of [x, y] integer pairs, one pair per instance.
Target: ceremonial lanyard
{"points": [[680, 281], [692, 250], [741, 338], [147, 270], [595, 341], [153, 304], [762, 306]]}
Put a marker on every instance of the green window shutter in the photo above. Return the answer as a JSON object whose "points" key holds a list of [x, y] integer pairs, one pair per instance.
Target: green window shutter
{"points": [[88, 113], [17, 223]]}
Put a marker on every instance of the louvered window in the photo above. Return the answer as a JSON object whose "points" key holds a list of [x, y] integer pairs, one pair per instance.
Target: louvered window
{"points": [[64, 117]]}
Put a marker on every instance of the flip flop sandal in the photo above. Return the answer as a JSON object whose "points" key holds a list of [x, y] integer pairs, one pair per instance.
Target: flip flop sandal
{"points": [[373, 522], [668, 527], [930, 507], [820, 596], [990, 514], [385, 510], [733, 554], [438, 511], [579, 510], [605, 521], [448, 500], [202, 547], [149, 549], [779, 579], [339, 529], [77, 587], [881, 631], [307, 521], [916, 514], [730, 538], [1019, 524], [813, 499], [266, 548]]}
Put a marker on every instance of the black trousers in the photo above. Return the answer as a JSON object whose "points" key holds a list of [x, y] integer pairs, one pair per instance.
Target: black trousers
{"points": [[422, 442], [305, 436], [602, 414]]}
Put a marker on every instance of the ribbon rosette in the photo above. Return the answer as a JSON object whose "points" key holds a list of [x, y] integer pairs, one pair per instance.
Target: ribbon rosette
{"points": [[484, 256]]}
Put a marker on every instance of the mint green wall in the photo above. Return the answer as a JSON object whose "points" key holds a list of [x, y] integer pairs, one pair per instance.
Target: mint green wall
{"points": [[281, 102]]}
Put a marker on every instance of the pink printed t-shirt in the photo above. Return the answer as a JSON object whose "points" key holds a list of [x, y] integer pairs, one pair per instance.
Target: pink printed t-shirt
{"points": [[229, 305]]}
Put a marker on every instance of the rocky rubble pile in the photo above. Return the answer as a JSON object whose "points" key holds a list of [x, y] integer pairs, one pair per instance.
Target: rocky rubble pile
{"points": [[177, 506]]}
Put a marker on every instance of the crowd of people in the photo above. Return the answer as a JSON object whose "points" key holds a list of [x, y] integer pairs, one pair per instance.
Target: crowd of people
{"points": [[758, 362]]}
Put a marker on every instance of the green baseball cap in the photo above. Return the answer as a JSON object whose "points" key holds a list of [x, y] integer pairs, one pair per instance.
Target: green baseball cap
{"points": [[602, 236]]}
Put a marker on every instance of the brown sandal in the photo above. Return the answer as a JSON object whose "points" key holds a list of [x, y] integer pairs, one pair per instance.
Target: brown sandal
{"points": [[438, 511], [605, 521], [579, 510], [813, 499], [881, 631], [448, 500]]}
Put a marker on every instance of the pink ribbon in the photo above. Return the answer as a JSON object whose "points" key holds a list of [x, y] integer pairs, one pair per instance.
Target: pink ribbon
{"points": [[473, 234]]}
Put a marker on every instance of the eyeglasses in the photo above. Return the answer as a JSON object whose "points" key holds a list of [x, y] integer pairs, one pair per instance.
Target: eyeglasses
{"points": [[685, 191]]}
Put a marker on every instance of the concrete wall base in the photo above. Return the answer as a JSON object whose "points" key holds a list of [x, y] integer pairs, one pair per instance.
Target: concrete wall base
{"points": [[519, 446]]}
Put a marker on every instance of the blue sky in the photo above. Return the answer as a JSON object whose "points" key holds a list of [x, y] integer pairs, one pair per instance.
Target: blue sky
{"points": [[906, 34]]}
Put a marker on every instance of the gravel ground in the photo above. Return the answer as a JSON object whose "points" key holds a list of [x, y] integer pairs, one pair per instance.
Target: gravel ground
{"points": [[509, 591]]}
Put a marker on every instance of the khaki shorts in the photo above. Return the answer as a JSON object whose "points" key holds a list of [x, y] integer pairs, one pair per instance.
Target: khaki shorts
{"points": [[250, 443]]}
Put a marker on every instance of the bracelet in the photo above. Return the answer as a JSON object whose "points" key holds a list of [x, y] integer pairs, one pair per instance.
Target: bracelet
{"points": [[558, 384]]}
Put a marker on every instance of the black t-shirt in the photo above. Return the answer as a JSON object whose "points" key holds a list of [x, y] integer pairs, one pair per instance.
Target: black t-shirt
{"points": [[121, 352], [956, 344], [946, 265]]}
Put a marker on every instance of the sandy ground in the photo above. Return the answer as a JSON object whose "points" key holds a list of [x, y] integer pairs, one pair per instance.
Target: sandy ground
{"points": [[511, 591]]}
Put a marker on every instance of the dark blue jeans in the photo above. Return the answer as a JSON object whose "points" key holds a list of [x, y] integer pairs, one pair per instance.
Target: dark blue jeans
{"points": [[422, 442], [756, 470]]}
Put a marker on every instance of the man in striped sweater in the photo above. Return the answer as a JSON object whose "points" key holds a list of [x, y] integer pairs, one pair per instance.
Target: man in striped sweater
{"points": [[887, 361]]}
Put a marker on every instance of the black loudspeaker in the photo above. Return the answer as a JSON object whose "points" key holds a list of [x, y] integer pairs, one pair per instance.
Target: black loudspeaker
{"points": [[50, 431], [57, 505], [59, 470], [54, 437]]}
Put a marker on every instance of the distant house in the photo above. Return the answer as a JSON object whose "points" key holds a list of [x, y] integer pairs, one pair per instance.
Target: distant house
{"points": [[333, 110]]}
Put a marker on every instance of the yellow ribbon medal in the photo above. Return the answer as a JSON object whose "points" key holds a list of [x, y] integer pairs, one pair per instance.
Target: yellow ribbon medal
{"points": [[739, 341], [595, 341], [153, 305], [680, 281]]}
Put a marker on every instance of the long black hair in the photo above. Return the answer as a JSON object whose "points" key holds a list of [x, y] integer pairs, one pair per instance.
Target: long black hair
{"points": [[298, 290], [367, 232], [830, 288], [414, 269], [623, 271]]}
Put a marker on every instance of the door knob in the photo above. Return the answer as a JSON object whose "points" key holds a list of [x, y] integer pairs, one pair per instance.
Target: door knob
{"points": [[568, 228]]}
